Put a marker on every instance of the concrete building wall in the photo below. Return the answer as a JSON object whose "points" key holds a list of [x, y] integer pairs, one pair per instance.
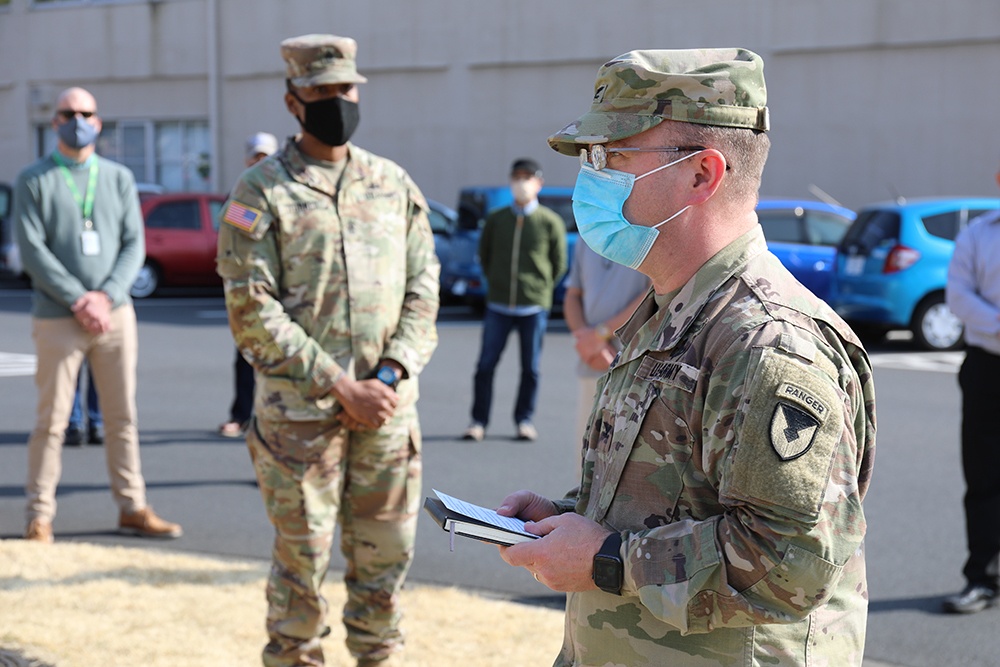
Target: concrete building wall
{"points": [[868, 98]]}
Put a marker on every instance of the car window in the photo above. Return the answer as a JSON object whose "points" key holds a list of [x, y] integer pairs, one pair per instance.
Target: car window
{"points": [[175, 215], [825, 229], [439, 223], [781, 226], [215, 210], [471, 210], [872, 228], [943, 225], [976, 212], [561, 205]]}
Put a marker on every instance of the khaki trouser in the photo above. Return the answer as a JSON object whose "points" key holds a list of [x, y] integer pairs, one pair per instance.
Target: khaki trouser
{"points": [[311, 474], [61, 345]]}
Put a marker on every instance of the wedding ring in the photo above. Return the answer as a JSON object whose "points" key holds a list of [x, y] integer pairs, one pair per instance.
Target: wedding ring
{"points": [[535, 574]]}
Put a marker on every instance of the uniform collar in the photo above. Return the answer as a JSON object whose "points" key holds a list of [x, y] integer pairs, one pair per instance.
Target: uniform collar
{"points": [[657, 329], [299, 169]]}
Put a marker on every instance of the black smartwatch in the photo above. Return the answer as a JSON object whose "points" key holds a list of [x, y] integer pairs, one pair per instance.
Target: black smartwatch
{"points": [[388, 376], [609, 573]]}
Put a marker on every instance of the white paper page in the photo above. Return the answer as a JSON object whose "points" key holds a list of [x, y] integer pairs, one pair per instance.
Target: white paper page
{"points": [[482, 514]]}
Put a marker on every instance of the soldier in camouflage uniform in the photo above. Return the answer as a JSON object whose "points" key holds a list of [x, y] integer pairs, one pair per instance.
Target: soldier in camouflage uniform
{"points": [[719, 518], [332, 291]]}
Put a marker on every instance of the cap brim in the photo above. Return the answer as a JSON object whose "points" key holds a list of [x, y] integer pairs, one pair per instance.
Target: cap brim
{"points": [[327, 78], [600, 128]]}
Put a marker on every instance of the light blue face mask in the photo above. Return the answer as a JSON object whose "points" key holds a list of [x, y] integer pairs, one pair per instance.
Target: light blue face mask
{"points": [[598, 199]]}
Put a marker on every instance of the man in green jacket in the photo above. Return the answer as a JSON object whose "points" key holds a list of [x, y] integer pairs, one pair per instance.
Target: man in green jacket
{"points": [[523, 253]]}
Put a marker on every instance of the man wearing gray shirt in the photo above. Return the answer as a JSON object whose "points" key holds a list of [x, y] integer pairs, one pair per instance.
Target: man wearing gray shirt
{"points": [[973, 295], [80, 233], [600, 297]]}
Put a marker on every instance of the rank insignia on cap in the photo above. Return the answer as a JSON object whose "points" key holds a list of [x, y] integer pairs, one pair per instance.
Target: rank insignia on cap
{"points": [[792, 431], [241, 216]]}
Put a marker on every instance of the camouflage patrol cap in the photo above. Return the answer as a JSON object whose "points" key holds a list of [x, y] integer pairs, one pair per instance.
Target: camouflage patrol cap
{"points": [[640, 89], [312, 60]]}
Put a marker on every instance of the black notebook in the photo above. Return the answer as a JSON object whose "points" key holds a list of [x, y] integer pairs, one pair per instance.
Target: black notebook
{"points": [[462, 518]]}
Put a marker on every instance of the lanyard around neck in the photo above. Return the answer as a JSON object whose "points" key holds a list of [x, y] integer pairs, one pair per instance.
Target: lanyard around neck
{"points": [[85, 202]]}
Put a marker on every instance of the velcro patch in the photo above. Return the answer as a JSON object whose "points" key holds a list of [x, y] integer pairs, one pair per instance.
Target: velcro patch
{"points": [[791, 429]]}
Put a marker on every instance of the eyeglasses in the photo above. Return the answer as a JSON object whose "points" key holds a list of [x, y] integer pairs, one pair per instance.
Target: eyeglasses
{"points": [[67, 114], [597, 156]]}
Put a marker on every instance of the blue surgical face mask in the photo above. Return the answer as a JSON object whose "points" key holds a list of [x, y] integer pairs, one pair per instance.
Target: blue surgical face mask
{"points": [[77, 132], [598, 199]]}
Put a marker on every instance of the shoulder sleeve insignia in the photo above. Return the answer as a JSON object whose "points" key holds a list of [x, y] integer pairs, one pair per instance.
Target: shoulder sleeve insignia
{"points": [[241, 216], [792, 431]]}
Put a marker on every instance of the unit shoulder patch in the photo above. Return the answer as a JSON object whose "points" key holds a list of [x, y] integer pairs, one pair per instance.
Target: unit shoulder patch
{"points": [[792, 431]]}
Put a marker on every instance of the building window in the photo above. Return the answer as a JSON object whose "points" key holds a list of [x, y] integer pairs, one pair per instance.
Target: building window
{"points": [[173, 154], [182, 155]]}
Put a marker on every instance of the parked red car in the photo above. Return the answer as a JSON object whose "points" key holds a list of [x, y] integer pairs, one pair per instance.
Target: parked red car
{"points": [[182, 231]]}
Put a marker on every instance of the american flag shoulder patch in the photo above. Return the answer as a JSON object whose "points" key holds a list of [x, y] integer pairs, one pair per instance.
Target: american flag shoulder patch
{"points": [[242, 216]]}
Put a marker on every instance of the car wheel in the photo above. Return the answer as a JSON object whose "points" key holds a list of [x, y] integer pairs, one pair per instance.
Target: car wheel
{"points": [[935, 327], [146, 282]]}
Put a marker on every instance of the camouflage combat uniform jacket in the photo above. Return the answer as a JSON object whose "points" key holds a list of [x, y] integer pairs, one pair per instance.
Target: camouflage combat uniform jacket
{"points": [[731, 445], [324, 278]]}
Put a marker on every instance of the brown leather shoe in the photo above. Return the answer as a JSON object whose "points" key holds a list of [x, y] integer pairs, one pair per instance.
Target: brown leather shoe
{"points": [[39, 530], [145, 523]]}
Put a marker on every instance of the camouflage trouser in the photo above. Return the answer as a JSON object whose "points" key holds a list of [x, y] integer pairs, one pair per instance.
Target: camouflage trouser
{"points": [[309, 473]]}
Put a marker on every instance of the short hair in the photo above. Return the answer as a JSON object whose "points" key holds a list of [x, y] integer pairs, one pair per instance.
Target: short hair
{"points": [[526, 164], [745, 151]]}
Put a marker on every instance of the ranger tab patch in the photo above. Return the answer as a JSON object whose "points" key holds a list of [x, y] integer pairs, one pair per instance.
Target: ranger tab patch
{"points": [[242, 216]]}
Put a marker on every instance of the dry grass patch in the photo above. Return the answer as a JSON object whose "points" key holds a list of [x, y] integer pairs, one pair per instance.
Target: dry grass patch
{"points": [[81, 605]]}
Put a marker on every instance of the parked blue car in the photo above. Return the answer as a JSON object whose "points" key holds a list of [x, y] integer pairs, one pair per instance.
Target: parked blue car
{"points": [[893, 265], [804, 235], [443, 221], [462, 274]]}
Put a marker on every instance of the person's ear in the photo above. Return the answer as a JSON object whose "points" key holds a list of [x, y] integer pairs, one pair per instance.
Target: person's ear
{"points": [[710, 170], [292, 105]]}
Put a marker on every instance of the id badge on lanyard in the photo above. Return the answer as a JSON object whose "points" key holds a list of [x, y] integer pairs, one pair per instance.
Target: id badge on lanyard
{"points": [[90, 241]]}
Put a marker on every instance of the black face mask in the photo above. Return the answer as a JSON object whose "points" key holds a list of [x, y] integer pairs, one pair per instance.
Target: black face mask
{"points": [[332, 120]]}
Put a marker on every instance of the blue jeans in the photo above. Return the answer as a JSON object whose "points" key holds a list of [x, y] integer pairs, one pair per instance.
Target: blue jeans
{"points": [[496, 329], [93, 407]]}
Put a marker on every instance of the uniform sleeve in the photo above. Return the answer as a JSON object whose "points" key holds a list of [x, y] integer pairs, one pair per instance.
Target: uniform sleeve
{"points": [[249, 263], [415, 337], [132, 252], [48, 274], [961, 292], [789, 429]]}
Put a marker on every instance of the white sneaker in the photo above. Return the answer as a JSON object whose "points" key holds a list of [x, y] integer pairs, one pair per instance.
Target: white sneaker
{"points": [[475, 432], [525, 431]]}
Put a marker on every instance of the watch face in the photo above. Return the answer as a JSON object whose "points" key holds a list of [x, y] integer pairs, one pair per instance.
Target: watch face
{"points": [[608, 573], [387, 375]]}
